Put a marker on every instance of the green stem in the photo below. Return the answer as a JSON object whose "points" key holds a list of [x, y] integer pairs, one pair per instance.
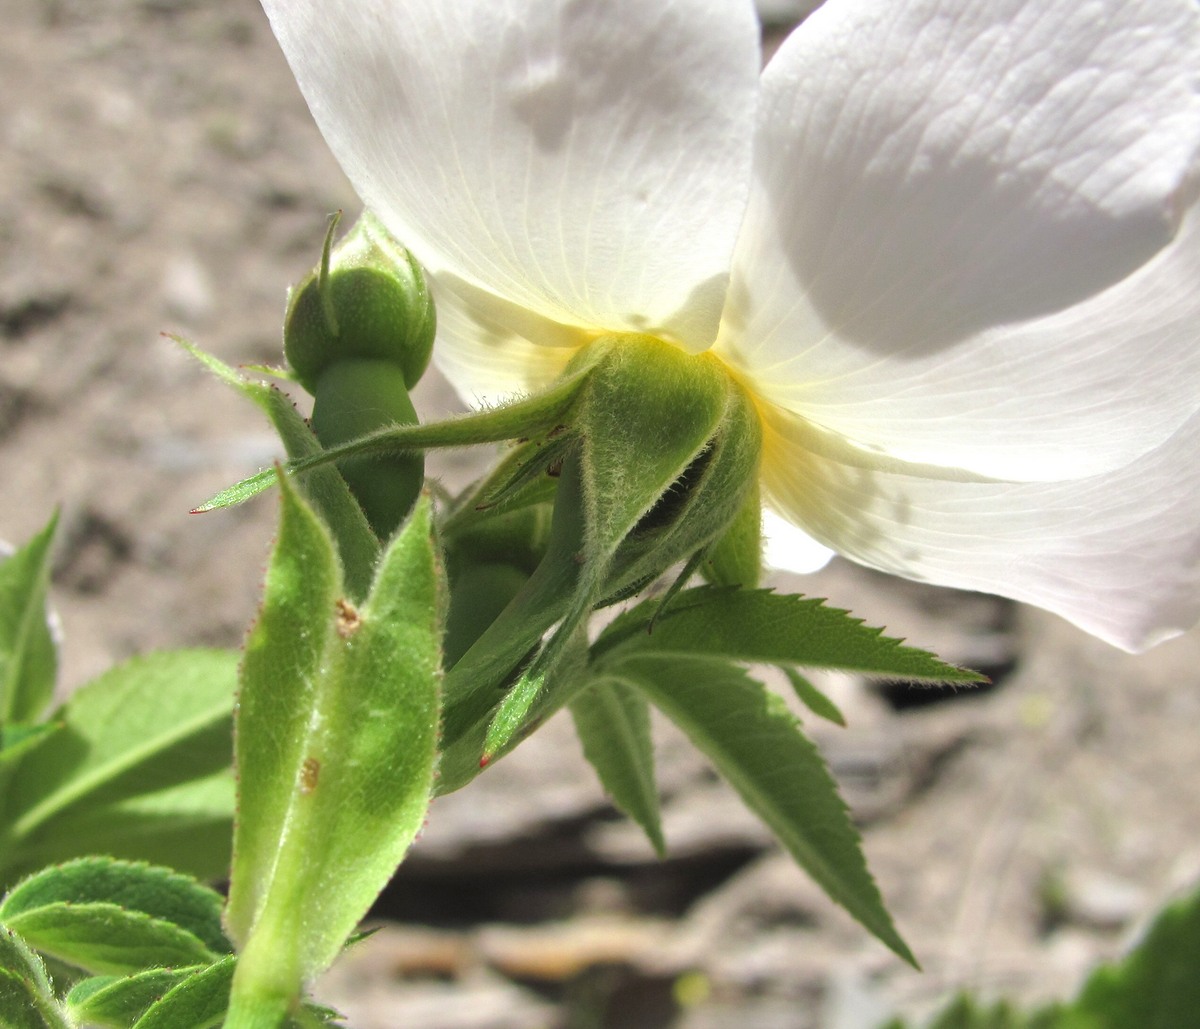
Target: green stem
{"points": [[268, 980], [536, 415]]}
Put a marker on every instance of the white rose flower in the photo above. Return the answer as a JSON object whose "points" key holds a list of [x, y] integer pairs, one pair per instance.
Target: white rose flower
{"points": [[951, 247]]}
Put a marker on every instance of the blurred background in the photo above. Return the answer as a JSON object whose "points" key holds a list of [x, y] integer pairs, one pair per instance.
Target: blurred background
{"points": [[160, 172]]}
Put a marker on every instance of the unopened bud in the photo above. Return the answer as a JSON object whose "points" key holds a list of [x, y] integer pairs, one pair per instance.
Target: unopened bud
{"points": [[367, 300]]}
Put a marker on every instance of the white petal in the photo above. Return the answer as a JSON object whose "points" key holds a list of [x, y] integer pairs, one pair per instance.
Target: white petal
{"points": [[485, 346], [1117, 554], [790, 549], [969, 241], [586, 159]]}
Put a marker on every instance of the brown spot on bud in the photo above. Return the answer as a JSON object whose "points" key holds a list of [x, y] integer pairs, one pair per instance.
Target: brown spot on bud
{"points": [[348, 619], [310, 772]]}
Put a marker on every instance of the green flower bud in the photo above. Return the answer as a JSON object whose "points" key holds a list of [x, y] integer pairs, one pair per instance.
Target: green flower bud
{"points": [[368, 299], [354, 398]]}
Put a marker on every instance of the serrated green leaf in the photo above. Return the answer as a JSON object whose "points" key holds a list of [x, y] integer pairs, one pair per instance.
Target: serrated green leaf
{"points": [[134, 886], [119, 1001], [93, 984], [758, 746], [18, 1007], [1156, 986], [613, 723], [15, 956], [198, 1002], [22, 1006], [336, 742], [187, 827], [771, 628], [28, 656], [18, 740], [106, 938], [152, 723], [812, 698], [26, 992]]}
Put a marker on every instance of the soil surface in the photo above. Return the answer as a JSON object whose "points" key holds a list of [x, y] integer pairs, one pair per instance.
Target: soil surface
{"points": [[161, 173]]}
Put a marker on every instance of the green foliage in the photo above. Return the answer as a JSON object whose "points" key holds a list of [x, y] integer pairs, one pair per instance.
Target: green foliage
{"points": [[1154, 987], [158, 892], [336, 738], [640, 459], [108, 916], [105, 938], [196, 1002], [27, 998], [119, 1001], [186, 826], [154, 936], [28, 656], [613, 723], [766, 627], [143, 749], [758, 746], [16, 741], [813, 699]]}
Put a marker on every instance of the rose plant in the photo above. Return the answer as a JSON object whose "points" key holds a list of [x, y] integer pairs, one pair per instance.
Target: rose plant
{"points": [[923, 293]]}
